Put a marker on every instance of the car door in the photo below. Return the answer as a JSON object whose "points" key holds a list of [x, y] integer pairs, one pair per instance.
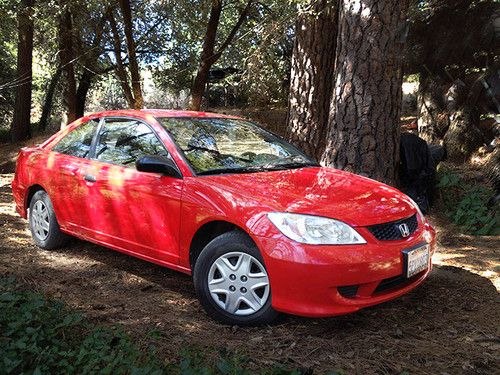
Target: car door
{"points": [[134, 211], [67, 188]]}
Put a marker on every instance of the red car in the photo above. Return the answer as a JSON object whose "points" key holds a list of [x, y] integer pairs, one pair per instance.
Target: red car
{"points": [[261, 227]]}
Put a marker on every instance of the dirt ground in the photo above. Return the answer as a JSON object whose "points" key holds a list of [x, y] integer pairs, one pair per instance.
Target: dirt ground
{"points": [[449, 325]]}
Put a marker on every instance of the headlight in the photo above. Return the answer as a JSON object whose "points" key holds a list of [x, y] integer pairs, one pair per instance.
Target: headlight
{"points": [[315, 230]]}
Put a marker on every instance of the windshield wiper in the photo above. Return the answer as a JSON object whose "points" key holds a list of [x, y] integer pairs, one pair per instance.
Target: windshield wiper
{"points": [[232, 170], [290, 165]]}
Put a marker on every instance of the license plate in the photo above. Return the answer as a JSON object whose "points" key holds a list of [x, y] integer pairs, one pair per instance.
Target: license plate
{"points": [[416, 260]]}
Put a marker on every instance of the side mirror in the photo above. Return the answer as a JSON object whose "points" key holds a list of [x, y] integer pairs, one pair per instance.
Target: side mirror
{"points": [[158, 164]]}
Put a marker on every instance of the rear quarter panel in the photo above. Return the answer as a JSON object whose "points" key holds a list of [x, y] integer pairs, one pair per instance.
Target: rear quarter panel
{"points": [[28, 166]]}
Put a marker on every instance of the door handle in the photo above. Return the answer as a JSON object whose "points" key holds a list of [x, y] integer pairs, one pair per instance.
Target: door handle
{"points": [[89, 178]]}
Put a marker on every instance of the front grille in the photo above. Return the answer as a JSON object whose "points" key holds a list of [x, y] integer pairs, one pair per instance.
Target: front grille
{"points": [[348, 291], [395, 282], [390, 231]]}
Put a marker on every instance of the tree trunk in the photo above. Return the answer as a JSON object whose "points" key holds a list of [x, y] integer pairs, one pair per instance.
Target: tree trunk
{"points": [[311, 81], [364, 128], [198, 88], [66, 56], [432, 117], [82, 91], [121, 73], [49, 100], [22, 112], [208, 54], [132, 57], [447, 114], [463, 137]]}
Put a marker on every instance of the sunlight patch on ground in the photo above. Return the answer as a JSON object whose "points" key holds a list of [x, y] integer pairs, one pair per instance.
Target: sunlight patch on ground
{"points": [[490, 272], [65, 261]]}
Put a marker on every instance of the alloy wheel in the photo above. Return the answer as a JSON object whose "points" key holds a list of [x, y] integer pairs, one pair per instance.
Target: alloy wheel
{"points": [[40, 220], [238, 283]]}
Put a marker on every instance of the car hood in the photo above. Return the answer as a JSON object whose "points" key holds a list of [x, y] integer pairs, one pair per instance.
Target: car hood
{"points": [[353, 199]]}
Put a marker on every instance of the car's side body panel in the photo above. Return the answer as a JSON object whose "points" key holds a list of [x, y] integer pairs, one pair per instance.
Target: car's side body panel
{"points": [[134, 210], [150, 230], [124, 209]]}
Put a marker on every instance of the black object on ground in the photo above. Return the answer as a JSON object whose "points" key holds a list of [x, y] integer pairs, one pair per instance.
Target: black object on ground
{"points": [[417, 172]]}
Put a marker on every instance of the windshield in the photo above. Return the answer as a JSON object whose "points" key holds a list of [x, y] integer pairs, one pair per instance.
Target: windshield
{"points": [[223, 145]]}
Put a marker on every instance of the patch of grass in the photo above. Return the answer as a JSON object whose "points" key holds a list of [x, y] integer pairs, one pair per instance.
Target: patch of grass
{"points": [[42, 336], [466, 204]]}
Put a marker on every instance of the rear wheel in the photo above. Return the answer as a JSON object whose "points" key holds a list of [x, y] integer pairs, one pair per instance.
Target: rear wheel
{"points": [[43, 223], [232, 282]]}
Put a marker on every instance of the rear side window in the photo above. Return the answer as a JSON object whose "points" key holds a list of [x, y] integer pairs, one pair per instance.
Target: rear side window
{"points": [[123, 141], [78, 141]]}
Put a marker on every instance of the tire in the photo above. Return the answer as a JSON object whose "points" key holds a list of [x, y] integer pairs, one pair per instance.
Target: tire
{"points": [[43, 223], [232, 262]]}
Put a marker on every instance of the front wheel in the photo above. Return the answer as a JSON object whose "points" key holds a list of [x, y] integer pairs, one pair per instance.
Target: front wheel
{"points": [[232, 282], [43, 223]]}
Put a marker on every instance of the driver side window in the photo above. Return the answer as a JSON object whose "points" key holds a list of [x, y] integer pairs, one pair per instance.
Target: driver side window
{"points": [[78, 141], [123, 141]]}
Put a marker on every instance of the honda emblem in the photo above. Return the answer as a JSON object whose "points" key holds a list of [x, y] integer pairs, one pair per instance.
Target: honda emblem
{"points": [[404, 230]]}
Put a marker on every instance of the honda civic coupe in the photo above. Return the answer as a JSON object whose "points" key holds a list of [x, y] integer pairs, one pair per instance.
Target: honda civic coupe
{"points": [[261, 227]]}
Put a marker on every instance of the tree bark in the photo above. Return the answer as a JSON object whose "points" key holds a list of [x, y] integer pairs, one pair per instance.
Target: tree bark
{"points": [[49, 100], [463, 137], [66, 56], [20, 129], [84, 85], [208, 54], [448, 114], [432, 118], [312, 78], [364, 129], [121, 73], [132, 57]]}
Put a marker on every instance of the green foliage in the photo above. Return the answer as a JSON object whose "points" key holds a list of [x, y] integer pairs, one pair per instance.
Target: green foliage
{"points": [[413, 78], [194, 362], [8, 43], [42, 336], [261, 49], [467, 204]]}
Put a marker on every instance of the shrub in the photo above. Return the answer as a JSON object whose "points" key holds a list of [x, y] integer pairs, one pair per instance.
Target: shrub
{"points": [[42, 336], [467, 204]]}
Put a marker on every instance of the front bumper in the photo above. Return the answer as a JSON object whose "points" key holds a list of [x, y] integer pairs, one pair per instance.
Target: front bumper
{"points": [[318, 281]]}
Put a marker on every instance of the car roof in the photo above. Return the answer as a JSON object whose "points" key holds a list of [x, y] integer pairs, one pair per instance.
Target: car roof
{"points": [[142, 113]]}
